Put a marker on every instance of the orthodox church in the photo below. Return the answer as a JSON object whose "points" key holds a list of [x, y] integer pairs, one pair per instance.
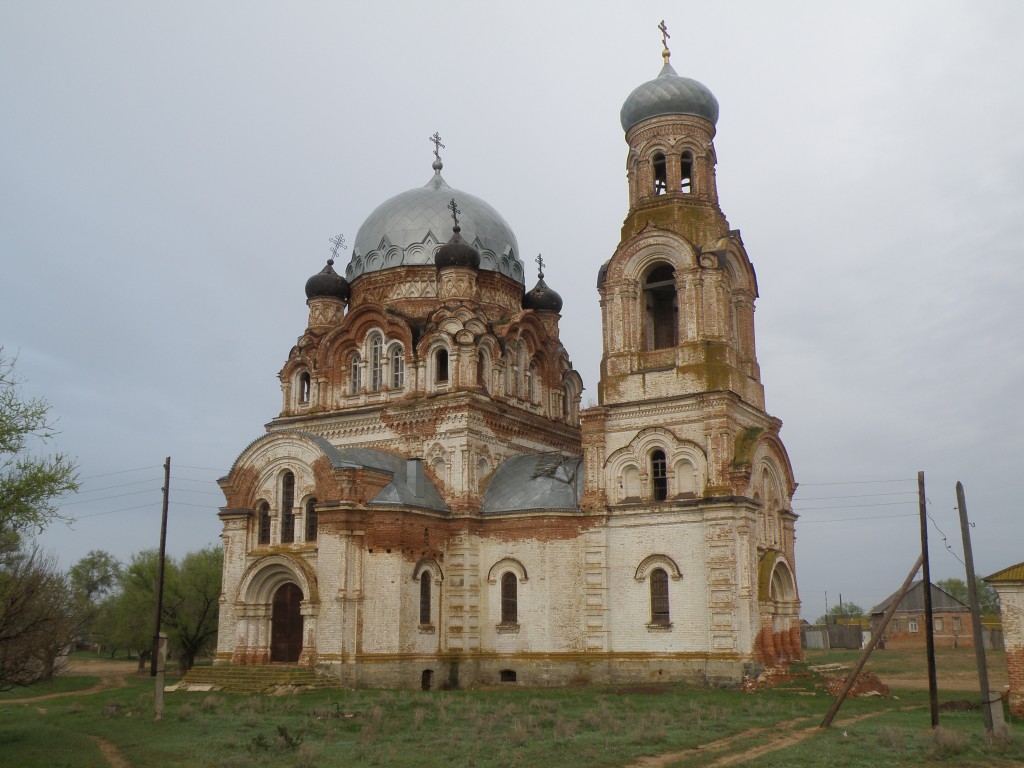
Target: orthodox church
{"points": [[432, 508]]}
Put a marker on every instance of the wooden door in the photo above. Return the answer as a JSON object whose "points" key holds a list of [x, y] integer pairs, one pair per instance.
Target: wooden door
{"points": [[286, 624]]}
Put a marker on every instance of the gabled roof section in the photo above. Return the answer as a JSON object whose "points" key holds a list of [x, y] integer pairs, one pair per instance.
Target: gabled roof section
{"points": [[913, 601], [535, 482], [409, 486], [1013, 573]]}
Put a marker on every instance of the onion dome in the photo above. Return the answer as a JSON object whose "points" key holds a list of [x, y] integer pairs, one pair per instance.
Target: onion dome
{"points": [[411, 227], [540, 297], [668, 94], [327, 284], [457, 252]]}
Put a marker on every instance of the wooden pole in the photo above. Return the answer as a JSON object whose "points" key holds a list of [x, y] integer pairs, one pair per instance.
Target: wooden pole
{"points": [[160, 569], [972, 591], [929, 633], [875, 636]]}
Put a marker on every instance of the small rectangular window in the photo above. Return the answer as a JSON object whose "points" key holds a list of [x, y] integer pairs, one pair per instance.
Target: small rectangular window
{"points": [[912, 625], [938, 624]]}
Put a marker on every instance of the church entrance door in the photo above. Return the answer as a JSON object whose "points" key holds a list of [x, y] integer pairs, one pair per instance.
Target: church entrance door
{"points": [[286, 624]]}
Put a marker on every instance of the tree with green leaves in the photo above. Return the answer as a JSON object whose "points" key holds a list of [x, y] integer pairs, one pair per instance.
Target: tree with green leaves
{"points": [[29, 484], [988, 598], [38, 616], [93, 579], [841, 611], [190, 610]]}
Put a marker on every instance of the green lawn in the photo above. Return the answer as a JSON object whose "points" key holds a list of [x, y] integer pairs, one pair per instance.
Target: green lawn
{"points": [[522, 727]]}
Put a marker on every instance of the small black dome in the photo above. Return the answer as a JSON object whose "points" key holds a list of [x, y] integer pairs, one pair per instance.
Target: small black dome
{"points": [[542, 298], [327, 284], [457, 253]]}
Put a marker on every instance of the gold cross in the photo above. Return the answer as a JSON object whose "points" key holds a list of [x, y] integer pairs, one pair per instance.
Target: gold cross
{"points": [[664, 40]]}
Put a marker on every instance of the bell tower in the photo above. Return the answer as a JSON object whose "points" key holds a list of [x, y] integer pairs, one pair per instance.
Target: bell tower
{"points": [[680, 431]]}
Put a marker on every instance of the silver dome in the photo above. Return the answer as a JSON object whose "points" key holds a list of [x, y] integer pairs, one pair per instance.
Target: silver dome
{"points": [[412, 226], [668, 94]]}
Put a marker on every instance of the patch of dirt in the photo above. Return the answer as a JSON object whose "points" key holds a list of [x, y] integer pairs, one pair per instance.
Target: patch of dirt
{"points": [[961, 705], [867, 684]]}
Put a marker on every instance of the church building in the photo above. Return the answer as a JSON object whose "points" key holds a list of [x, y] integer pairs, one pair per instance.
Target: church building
{"points": [[431, 507]]}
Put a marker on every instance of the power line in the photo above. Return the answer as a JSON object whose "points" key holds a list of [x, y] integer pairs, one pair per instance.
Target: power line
{"points": [[110, 487], [859, 495], [211, 469], [115, 511], [105, 498], [855, 506], [869, 517], [119, 472], [864, 482]]}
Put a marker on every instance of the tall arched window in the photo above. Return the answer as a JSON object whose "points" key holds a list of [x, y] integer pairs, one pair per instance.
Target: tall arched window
{"points": [[531, 383], [659, 475], [354, 384], [662, 307], [481, 370], [287, 508], [376, 362], [441, 366], [659, 597], [311, 520], [509, 598], [397, 367], [425, 598], [263, 533], [304, 387], [686, 168], [660, 173]]}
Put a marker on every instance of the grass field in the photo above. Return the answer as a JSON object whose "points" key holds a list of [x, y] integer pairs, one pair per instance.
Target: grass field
{"points": [[509, 727]]}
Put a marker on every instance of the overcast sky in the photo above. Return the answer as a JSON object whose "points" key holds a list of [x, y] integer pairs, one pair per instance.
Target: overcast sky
{"points": [[170, 175]]}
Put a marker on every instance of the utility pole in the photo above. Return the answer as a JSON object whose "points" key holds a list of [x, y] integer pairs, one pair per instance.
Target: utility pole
{"points": [[991, 710], [160, 570], [933, 687]]}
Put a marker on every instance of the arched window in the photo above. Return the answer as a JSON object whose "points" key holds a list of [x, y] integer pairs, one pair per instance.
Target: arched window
{"points": [[509, 598], [376, 362], [287, 508], [304, 387], [311, 520], [686, 168], [662, 307], [659, 597], [660, 173], [481, 370], [531, 383], [441, 366], [659, 476], [397, 367], [425, 598], [263, 534], [354, 383]]}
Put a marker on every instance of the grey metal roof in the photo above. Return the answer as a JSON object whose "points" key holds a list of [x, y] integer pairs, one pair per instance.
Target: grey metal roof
{"points": [[913, 601], [409, 485], [411, 227], [538, 481], [668, 94]]}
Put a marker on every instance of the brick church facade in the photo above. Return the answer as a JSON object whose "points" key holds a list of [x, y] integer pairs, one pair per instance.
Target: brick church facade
{"points": [[432, 508]]}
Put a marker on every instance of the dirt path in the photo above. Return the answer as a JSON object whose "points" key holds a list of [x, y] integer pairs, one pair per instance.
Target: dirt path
{"points": [[113, 755], [112, 674], [787, 737]]}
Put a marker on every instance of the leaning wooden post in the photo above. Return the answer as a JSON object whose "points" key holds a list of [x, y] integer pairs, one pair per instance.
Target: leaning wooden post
{"points": [[994, 722], [875, 636]]}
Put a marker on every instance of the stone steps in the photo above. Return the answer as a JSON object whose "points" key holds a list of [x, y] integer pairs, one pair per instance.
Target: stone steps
{"points": [[249, 678]]}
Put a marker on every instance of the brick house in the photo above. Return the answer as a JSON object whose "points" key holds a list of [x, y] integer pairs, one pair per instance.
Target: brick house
{"points": [[1009, 583], [431, 507], [951, 620]]}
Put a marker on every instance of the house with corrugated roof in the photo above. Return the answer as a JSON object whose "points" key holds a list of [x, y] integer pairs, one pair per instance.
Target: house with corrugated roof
{"points": [[951, 619]]}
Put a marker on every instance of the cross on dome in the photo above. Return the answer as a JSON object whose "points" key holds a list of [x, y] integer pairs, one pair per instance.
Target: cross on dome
{"points": [[664, 41], [455, 213], [339, 244], [540, 267]]}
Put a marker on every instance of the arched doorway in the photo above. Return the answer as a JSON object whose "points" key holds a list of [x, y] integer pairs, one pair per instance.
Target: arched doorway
{"points": [[286, 624]]}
